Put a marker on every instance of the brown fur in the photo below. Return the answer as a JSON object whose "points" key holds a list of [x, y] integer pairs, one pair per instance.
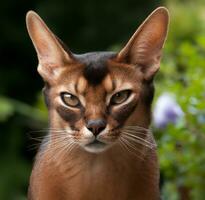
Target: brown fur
{"points": [[125, 170]]}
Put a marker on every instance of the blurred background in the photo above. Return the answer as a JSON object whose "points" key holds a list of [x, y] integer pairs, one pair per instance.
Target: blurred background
{"points": [[179, 107]]}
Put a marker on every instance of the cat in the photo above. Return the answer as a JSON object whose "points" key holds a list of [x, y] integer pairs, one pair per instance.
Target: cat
{"points": [[99, 146]]}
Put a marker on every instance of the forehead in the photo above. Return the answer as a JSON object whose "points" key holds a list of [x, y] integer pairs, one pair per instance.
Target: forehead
{"points": [[95, 66], [99, 68]]}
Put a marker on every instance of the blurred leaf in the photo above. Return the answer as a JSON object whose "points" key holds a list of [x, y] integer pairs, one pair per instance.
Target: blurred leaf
{"points": [[6, 109]]}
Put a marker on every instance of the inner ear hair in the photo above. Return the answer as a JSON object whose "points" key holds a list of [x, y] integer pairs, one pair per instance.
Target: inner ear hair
{"points": [[145, 46]]}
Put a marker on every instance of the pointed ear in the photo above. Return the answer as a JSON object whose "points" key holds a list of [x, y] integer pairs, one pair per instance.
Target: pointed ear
{"points": [[51, 55], [145, 46]]}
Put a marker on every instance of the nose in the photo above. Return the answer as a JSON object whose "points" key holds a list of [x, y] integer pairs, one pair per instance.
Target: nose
{"points": [[96, 126]]}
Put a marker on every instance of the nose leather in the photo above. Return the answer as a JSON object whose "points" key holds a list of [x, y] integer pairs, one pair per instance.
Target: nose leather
{"points": [[96, 126]]}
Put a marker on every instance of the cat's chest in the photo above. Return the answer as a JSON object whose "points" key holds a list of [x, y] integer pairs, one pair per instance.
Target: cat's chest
{"points": [[106, 178], [100, 180]]}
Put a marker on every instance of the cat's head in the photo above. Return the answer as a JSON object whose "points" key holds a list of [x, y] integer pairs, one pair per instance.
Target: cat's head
{"points": [[93, 97]]}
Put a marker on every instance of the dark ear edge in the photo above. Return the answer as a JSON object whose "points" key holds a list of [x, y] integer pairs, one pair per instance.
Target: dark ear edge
{"points": [[145, 46]]}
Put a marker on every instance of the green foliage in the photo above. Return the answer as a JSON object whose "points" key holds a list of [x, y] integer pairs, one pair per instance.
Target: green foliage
{"points": [[181, 147], [14, 168], [8, 107]]}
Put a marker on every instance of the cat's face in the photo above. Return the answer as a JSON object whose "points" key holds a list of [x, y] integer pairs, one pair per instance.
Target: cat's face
{"points": [[92, 97], [95, 104]]}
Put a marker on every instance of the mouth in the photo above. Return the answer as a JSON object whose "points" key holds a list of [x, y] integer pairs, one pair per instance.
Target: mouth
{"points": [[95, 146], [96, 143]]}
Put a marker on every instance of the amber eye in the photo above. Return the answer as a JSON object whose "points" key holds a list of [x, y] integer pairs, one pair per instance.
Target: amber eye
{"points": [[69, 99], [120, 97]]}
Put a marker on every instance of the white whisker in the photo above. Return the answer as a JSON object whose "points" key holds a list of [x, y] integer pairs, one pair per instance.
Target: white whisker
{"points": [[148, 143], [127, 145]]}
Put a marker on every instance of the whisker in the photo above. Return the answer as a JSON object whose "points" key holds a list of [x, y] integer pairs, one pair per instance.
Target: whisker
{"points": [[131, 145], [53, 135], [55, 151], [150, 146], [123, 144], [33, 147], [69, 148], [128, 149], [60, 153], [139, 138], [136, 132], [51, 131], [136, 127]]}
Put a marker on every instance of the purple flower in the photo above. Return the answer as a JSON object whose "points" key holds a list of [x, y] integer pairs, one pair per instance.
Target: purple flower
{"points": [[166, 111]]}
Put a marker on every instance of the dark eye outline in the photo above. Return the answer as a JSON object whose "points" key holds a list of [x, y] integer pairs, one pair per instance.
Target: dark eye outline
{"points": [[62, 95], [122, 91]]}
